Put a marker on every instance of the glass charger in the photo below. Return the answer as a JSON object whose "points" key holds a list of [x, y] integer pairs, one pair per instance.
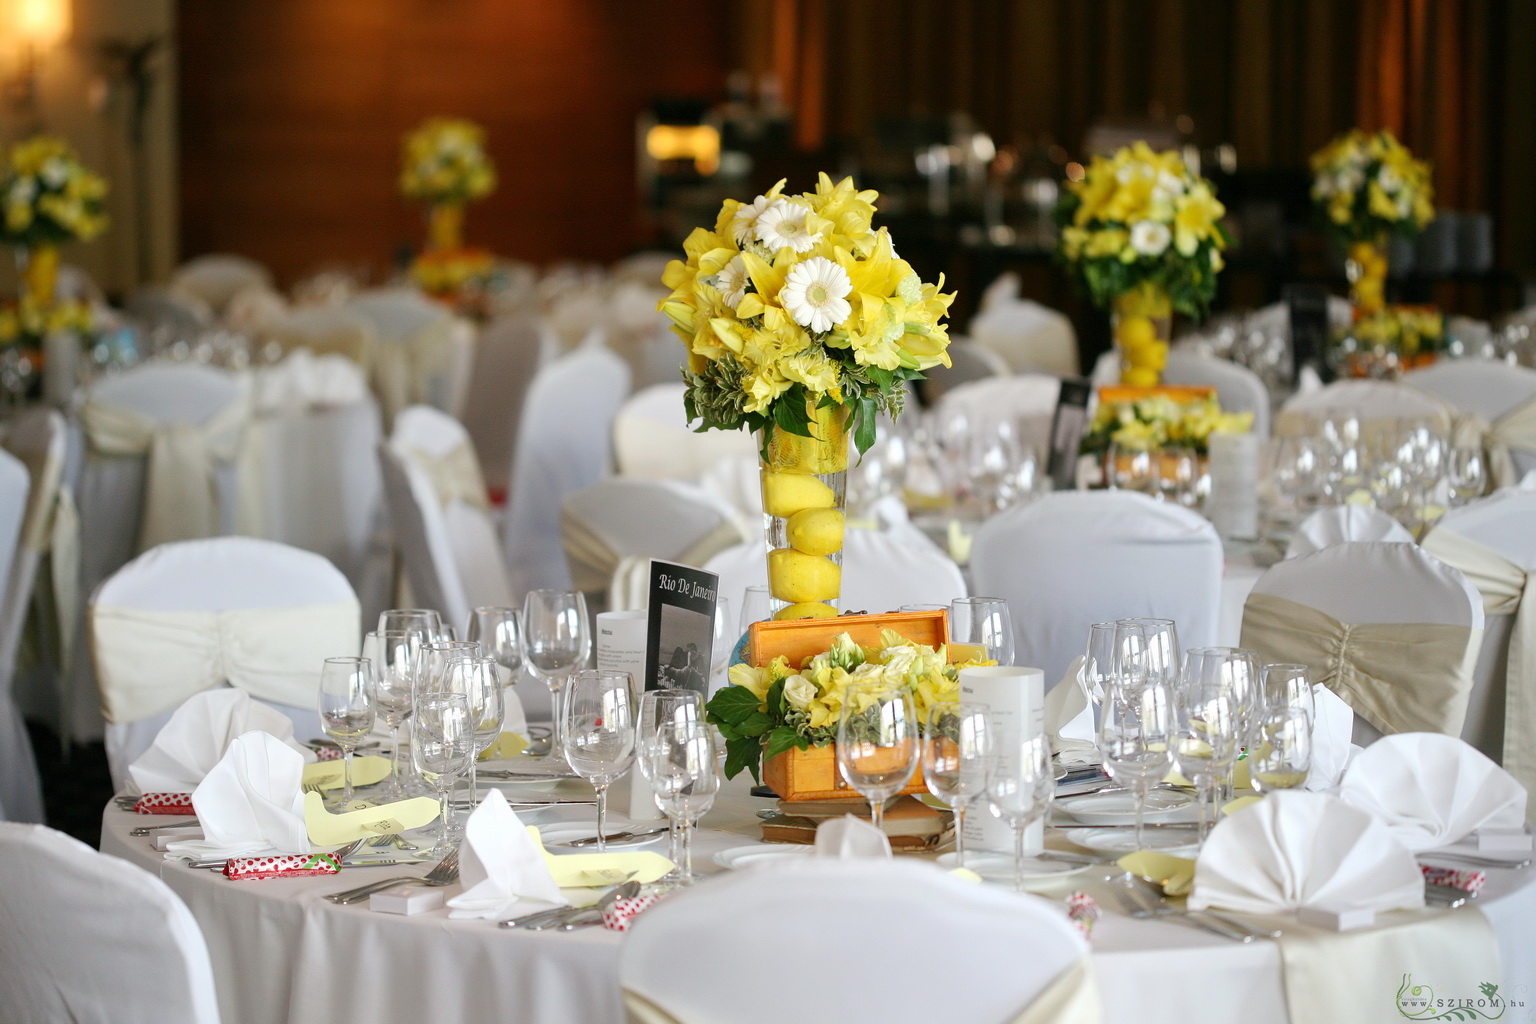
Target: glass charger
{"points": [[998, 867], [1118, 807], [1119, 840]]}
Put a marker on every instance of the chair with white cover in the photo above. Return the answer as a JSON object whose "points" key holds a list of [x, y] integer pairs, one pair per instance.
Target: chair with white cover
{"points": [[1337, 524], [968, 362], [189, 617], [91, 937], [1011, 958], [218, 277], [564, 442], [509, 353], [1378, 404], [1029, 337], [1492, 543], [1074, 558], [20, 797], [1027, 401], [254, 310], [424, 354], [619, 520], [1238, 388], [652, 439], [1392, 630], [1495, 406], [326, 330]]}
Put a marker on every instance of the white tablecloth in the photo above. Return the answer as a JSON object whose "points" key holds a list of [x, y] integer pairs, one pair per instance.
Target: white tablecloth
{"points": [[281, 953]]}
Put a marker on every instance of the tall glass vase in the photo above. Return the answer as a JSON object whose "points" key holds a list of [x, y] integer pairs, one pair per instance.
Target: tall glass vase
{"points": [[445, 227], [39, 270], [1366, 267], [803, 482], [1143, 325]]}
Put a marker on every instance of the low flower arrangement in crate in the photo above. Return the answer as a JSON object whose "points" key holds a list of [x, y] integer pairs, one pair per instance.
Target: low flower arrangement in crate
{"points": [[781, 711], [1143, 419]]}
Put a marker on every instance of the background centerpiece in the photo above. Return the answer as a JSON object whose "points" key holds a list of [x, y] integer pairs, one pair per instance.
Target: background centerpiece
{"points": [[1143, 235], [444, 164], [803, 324]]}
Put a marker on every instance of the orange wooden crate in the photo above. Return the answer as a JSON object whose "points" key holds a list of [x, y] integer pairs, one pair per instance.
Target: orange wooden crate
{"points": [[813, 774], [1177, 392]]}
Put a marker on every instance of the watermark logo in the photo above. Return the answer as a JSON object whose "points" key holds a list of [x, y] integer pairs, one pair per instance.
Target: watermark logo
{"points": [[1422, 1002]]}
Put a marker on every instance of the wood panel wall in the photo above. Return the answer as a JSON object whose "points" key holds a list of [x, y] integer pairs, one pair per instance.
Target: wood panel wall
{"points": [[292, 113]]}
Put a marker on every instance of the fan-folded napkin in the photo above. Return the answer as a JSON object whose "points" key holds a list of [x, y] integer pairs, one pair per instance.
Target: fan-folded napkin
{"points": [[250, 803], [1069, 719], [1333, 723], [1432, 790], [500, 865], [850, 838], [198, 734]]}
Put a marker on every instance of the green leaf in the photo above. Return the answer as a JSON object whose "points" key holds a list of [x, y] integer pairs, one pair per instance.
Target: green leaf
{"points": [[775, 701], [864, 435], [738, 708], [784, 738], [741, 754]]}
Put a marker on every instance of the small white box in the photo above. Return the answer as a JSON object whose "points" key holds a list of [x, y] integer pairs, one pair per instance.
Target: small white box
{"points": [[174, 835], [1503, 840], [1337, 917], [410, 901]]}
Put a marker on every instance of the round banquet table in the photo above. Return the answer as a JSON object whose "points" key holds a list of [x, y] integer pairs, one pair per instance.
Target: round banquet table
{"points": [[281, 953]]}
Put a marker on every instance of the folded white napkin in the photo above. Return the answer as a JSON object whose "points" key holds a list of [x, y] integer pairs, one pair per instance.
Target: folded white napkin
{"points": [[1296, 849], [1432, 790], [304, 379], [850, 838], [1340, 523], [1332, 748], [250, 803], [199, 732], [1069, 719], [500, 865]]}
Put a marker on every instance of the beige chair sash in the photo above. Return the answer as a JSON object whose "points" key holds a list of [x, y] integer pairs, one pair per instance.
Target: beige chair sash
{"points": [[1072, 997], [151, 661], [594, 562], [402, 369], [1503, 585], [1398, 676], [1514, 431], [454, 476], [179, 493]]}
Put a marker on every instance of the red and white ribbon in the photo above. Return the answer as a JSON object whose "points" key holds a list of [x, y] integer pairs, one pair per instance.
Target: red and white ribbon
{"points": [[1455, 878], [164, 803], [1083, 911], [286, 866], [622, 913]]}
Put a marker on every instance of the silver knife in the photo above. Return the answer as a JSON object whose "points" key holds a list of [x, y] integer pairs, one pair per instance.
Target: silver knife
{"points": [[614, 837]]}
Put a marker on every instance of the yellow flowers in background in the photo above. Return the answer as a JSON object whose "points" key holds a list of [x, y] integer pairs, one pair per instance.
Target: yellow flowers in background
{"points": [[1158, 420], [794, 302], [444, 161], [47, 196], [28, 322], [1369, 184]]}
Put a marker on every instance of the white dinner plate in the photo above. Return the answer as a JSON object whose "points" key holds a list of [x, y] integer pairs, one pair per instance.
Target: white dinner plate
{"points": [[998, 867], [555, 835], [1121, 840], [1118, 807], [760, 853], [519, 789]]}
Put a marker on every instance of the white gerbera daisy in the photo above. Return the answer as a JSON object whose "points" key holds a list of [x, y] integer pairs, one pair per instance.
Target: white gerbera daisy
{"points": [[732, 282], [1150, 237], [1389, 180], [816, 294], [783, 224], [744, 224]]}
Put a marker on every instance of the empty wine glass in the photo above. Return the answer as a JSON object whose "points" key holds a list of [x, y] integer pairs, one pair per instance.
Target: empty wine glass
{"points": [[1161, 643], [556, 642], [394, 657], [421, 620], [955, 760], [442, 745], [1282, 754], [1287, 686], [756, 606], [661, 709], [1130, 469], [499, 632], [480, 682], [1134, 737], [1098, 670], [680, 765], [1020, 782], [346, 711], [1465, 476], [436, 657], [877, 742], [1207, 733], [599, 733], [983, 621], [722, 643]]}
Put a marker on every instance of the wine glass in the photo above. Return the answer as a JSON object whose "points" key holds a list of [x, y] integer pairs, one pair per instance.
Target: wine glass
{"points": [[442, 745], [499, 632], [955, 760], [1207, 733], [662, 709], [599, 733], [983, 621], [1129, 469], [1020, 782], [1465, 475], [1287, 686], [1098, 670], [479, 681], [1282, 757], [1134, 739], [680, 765], [394, 656], [556, 640], [722, 643], [877, 742], [756, 606], [345, 710], [1161, 644], [422, 620], [435, 658]]}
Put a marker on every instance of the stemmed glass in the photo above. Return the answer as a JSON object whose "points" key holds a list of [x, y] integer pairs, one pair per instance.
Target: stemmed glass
{"points": [[599, 733], [756, 606], [660, 710], [480, 682], [955, 750], [681, 768], [395, 658], [1098, 671], [499, 632], [984, 621], [722, 642], [1134, 738], [1020, 782], [557, 641], [1161, 643], [1465, 476], [442, 745], [1287, 686], [345, 710], [1207, 732], [877, 742], [435, 658], [422, 620], [1282, 756]]}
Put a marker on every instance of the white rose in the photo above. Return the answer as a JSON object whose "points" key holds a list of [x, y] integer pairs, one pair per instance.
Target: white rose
{"points": [[867, 672], [899, 659], [1150, 237], [55, 172], [799, 691], [1389, 179]]}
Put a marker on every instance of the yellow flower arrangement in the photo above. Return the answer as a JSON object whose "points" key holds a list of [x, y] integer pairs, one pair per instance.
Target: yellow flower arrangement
{"points": [[47, 196], [25, 324], [797, 299], [1137, 218], [771, 709], [444, 161], [1369, 184], [1159, 420]]}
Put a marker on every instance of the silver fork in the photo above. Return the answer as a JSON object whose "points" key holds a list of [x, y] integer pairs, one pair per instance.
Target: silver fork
{"points": [[445, 872], [1139, 906], [312, 787]]}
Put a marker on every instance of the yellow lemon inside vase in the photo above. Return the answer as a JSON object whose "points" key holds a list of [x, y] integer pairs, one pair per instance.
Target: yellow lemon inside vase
{"points": [[784, 494], [806, 610], [799, 578], [816, 531]]}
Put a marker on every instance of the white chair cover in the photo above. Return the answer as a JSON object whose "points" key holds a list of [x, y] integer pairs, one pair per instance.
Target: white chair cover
{"points": [[255, 310], [1339, 523], [509, 353], [326, 330], [1009, 959], [563, 444], [1495, 404], [1074, 558], [1028, 400], [1371, 400], [442, 522], [737, 481], [425, 353], [20, 796], [216, 278], [1029, 337], [1392, 630], [652, 439], [188, 617], [93, 938], [968, 362], [1238, 388]]}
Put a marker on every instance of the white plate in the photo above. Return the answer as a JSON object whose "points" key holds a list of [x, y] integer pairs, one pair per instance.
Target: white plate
{"points": [[760, 853], [1120, 841], [1118, 807], [555, 835], [517, 789], [998, 867]]}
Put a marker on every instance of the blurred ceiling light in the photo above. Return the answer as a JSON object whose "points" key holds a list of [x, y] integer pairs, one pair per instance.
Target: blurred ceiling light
{"points": [[697, 142], [42, 23]]}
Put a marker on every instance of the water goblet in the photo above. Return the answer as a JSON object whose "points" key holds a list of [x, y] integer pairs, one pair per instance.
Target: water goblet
{"points": [[556, 640], [955, 760], [1206, 735], [1282, 756], [877, 742], [681, 767], [983, 621], [599, 733], [1134, 737], [422, 620], [756, 606], [394, 657], [1287, 686], [442, 745], [1020, 782], [345, 711], [499, 632], [480, 682]]}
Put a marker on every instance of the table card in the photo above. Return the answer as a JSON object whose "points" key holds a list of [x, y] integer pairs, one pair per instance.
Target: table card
{"points": [[327, 829], [1016, 696], [680, 627], [1068, 425]]}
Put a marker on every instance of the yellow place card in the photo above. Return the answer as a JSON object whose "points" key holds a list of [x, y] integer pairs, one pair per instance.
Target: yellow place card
{"points": [[508, 745], [587, 870], [327, 829], [1240, 777], [365, 772], [965, 875], [1175, 874]]}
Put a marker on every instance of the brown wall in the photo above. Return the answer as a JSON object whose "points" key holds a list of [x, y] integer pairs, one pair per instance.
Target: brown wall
{"points": [[292, 113]]}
